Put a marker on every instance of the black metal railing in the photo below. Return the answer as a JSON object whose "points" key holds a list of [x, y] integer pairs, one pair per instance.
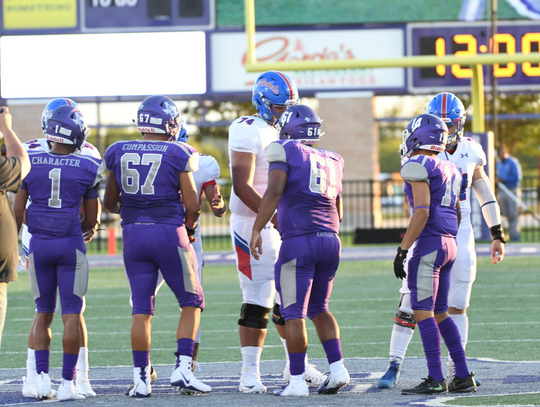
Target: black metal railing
{"points": [[374, 212]]}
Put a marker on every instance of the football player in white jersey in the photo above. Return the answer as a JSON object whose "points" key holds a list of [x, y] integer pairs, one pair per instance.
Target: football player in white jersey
{"points": [[82, 381], [205, 182], [468, 155], [249, 136]]}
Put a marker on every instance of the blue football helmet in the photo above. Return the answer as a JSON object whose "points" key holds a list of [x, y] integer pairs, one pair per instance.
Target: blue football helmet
{"points": [[53, 104], [66, 126], [183, 136], [271, 89], [424, 132], [300, 123], [450, 109], [159, 114]]}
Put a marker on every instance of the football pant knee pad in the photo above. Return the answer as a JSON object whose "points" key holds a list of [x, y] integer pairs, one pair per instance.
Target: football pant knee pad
{"points": [[254, 316], [404, 319], [276, 316]]}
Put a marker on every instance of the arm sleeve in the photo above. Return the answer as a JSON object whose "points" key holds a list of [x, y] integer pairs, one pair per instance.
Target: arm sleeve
{"points": [[99, 175], [92, 193], [10, 174], [277, 157], [109, 158]]}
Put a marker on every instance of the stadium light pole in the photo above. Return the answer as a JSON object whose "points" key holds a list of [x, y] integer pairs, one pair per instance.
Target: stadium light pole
{"points": [[475, 62]]}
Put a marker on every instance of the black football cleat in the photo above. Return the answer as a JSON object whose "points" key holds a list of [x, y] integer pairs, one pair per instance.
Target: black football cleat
{"points": [[466, 385], [428, 386]]}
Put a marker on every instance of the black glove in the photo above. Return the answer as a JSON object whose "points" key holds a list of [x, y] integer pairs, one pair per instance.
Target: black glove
{"points": [[399, 263]]}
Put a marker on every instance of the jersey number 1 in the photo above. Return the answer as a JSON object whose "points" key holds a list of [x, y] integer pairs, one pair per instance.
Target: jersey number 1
{"points": [[54, 176]]}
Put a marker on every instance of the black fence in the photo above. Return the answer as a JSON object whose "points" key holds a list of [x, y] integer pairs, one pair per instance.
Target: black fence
{"points": [[374, 212]]}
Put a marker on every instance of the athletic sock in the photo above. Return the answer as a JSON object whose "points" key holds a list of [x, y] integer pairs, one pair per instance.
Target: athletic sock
{"points": [[185, 347], [432, 347], [42, 361], [141, 358], [297, 363], [69, 366], [332, 347], [82, 364], [284, 342], [399, 342], [31, 365], [450, 334], [251, 357], [462, 323]]}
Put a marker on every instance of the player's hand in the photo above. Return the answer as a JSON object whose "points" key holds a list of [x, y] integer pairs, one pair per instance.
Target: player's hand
{"points": [[89, 235], [399, 263], [5, 118], [497, 251], [217, 202], [256, 245]]}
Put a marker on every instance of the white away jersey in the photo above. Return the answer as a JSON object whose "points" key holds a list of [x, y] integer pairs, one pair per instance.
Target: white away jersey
{"points": [[208, 172], [468, 157], [251, 134], [42, 144]]}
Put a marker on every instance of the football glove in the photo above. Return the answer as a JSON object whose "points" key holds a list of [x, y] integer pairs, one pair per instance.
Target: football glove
{"points": [[399, 263]]}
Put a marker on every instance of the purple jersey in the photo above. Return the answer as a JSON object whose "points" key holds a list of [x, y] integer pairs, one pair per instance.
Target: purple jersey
{"points": [[56, 185], [314, 180], [147, 173], [444, 180]]}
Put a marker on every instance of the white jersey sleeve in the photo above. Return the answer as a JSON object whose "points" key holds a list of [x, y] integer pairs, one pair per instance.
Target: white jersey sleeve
{"points": [[251, 134], [208, 171], [90, 150], [40, 144], [242, 137]]}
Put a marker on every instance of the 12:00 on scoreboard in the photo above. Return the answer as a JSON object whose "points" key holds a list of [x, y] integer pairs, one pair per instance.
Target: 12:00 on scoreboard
{"points": [[474, 39]]}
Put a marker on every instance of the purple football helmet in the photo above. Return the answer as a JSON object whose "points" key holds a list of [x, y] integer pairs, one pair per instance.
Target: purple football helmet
{"points": [[159, 114], [66, 126], [450, 109], [300, 123], [53, 104], [271, 89], [424, 132]]}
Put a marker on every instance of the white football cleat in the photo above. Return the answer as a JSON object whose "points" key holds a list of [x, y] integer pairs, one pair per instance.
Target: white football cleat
{"points": [[183, 377], [43, 387], [83, 387], [67, 391], [295, 389], [250, 383], [337, 378], [29, 388], [141, 380], [312, 376]]}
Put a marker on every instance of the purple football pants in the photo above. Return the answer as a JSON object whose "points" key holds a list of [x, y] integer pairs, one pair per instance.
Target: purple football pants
{"points": [[62, 264], [149, 248], [429, 273], [304, 273]]}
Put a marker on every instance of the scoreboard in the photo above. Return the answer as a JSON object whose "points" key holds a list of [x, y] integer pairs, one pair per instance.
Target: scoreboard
{"points": [[31, 17], [466, 39]]}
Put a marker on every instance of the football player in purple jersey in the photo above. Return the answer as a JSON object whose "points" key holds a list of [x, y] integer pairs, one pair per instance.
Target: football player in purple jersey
{"points": [[432, 187], [273, 92], [159, 208], [304, 185], [59, 180], [82, 382], [469, 157]]}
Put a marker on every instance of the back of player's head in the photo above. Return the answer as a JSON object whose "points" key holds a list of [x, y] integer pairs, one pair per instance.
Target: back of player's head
{"points": [[159, 114], [53, 104], [273, 89], [66, 125], [300, 123], [450, 109], [424, 132]]}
